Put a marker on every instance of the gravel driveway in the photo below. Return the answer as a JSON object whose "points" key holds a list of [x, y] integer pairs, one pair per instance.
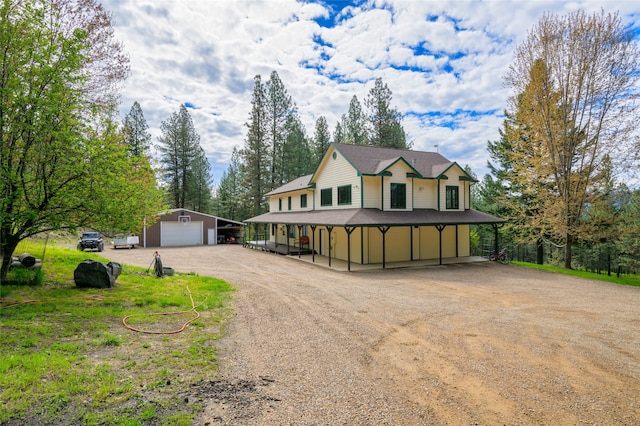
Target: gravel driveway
{"points": [[479, 343]]}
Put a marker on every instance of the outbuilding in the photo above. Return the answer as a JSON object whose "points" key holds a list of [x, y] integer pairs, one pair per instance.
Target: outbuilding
{"points": [[183, 227]]}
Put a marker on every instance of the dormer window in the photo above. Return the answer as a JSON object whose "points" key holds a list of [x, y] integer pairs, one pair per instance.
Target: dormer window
{"points": [[453, 197], [398, 195]]}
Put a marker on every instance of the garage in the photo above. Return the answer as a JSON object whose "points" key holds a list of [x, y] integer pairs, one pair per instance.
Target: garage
{"points": [[184, 227], [180, 234]]}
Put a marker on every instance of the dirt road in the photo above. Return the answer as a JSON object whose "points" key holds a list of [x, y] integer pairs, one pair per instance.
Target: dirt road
{"points": [[479, 343]]}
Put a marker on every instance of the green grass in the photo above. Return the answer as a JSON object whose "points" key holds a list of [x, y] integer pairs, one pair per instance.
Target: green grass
{"points": [[633, 280], [66, 358]]}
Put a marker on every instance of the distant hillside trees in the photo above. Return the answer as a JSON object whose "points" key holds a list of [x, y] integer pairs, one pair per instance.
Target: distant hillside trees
{"points": [[185, 169]]}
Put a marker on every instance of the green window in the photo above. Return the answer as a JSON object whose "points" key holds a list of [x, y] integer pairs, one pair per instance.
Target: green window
{"points": [[326, 197], [398, 195], [289, 203], [303, 201], [280, 204], [344, 195], [452, 197]]}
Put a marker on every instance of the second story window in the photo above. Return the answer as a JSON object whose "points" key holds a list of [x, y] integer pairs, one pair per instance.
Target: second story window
{"points": [[303, 201], [344, 195], [289, 203], [279, 204], [452, 197], [326, 197], [398, 195]]}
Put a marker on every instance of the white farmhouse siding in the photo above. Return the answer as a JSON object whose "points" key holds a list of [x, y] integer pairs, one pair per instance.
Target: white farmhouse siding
{"points": [[337, 172], [372, 191], [425, 194], [398, 175], [453, 174]]}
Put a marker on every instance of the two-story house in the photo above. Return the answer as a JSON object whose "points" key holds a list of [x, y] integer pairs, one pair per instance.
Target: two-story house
{"points": [[374, 205]]}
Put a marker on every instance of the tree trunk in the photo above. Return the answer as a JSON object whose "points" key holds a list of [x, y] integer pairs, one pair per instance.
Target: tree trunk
{"points": [[540, 251], [567, 251], [8, 248]]}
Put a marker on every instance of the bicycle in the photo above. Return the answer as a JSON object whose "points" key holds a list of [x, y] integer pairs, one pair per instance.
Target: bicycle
{"points": [[502, 257]]}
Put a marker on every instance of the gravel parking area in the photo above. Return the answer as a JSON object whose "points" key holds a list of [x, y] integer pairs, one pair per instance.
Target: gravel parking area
{"points": [[462, 344]]}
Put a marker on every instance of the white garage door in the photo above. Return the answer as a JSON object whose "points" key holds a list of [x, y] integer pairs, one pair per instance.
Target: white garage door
{"points": [[180, 234]]}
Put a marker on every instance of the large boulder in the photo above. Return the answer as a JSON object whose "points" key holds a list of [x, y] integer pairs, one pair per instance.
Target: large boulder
{"points": [[91, 273]]}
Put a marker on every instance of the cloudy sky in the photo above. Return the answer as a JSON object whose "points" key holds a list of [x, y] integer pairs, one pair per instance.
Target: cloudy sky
{"points": [[442, 60]]}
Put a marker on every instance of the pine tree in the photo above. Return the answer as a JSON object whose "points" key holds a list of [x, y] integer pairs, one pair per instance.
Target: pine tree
{"points": [[354, 124], [320, 142], [199, 196], [278, 107], [384, 125], [255, 155], [296, 152], [179, 148], [229, 199], [338, 133], [135, 131]]}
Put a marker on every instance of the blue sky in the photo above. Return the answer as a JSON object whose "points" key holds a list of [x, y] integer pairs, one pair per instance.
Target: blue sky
{"points": [[444, 62]]}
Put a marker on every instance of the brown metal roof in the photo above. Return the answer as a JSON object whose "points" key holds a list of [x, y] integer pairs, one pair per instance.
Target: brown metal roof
{"points": [[375, 217], [370, 160], [296, 184]]}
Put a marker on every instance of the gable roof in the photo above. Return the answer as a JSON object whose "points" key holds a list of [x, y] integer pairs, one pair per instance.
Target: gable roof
{"points": [[370, 160], [301, 183], [201, 214]]}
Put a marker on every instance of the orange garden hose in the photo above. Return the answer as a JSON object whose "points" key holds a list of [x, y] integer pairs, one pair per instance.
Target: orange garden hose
{"points": [[6, 302], [193, 309]]}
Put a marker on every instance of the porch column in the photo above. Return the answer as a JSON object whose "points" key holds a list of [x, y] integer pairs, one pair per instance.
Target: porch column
{"points": [[349, 230], [384, 230], [440, 228], [313, 243], [286, 235], [411, 240], [299, 235], [329, 229]]}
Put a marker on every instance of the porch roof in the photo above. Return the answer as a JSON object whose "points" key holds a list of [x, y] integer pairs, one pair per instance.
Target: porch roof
{"points": [[375, 217]]}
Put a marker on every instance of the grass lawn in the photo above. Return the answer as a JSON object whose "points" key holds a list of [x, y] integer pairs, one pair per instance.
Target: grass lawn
{"points": [[67, 358], [633, 280]]}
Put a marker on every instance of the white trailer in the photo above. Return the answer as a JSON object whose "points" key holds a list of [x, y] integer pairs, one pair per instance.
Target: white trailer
{"points": [[130, 242]]}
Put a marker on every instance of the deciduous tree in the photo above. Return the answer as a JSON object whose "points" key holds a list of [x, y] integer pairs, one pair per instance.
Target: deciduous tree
{"points": [[575, 83], [60, 70]]}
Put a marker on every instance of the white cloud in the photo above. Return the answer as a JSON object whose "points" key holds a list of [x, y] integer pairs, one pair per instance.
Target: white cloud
{"points": [[207, 53]]}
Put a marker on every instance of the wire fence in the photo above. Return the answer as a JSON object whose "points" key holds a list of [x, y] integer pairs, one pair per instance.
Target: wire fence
{"points": [[601, 259]]}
